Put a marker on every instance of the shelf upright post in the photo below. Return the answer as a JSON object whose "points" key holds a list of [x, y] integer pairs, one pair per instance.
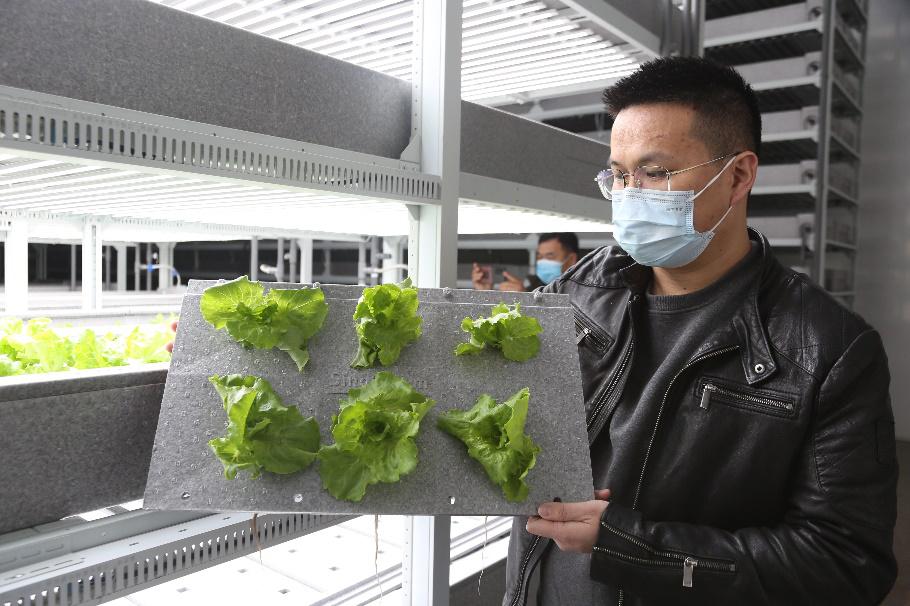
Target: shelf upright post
{"points": [[436, 139], [391, 256], [306, 260], [164, 266], [292, 260], [106, 255], [121, 266], [148, 261], [279, 261], [254, 258], [362, 263], [91, 265], [433, 242], [819, 263], [15, 261]]}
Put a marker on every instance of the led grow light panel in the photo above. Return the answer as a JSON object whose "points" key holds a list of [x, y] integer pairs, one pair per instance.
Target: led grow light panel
{"points": [[510, 48]]}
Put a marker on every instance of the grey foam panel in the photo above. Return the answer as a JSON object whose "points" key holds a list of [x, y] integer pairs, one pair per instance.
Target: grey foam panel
{"points": [[185, 474], [497, 144], [75, 442], [148, 57]]}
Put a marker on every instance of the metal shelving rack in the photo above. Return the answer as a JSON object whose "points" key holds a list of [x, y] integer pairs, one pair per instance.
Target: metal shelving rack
{"points": [[805, 60], [192, 167]]}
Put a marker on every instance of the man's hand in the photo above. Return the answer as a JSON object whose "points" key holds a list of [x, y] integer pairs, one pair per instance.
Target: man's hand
{"points": [[170, 346], [573, 526], [511, 283], [481, 279]]}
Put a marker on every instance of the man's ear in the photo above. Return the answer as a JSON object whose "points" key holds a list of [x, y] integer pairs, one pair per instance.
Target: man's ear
{"points": [[744, 171], [572, 259]]}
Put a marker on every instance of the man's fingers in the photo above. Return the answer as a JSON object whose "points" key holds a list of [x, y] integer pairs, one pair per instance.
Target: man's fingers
{"points": [[541, 527], [560, 512], [170, 346], [570, 512], [509, 276], [602, 494]]}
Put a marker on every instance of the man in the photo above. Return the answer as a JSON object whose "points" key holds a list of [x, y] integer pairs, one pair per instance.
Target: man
{"points": [[742, 439], [556, 252]]}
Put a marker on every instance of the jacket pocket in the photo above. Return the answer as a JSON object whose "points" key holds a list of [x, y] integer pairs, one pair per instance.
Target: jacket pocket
{"points": [[711, 390], [658, 558], [589, 334]]}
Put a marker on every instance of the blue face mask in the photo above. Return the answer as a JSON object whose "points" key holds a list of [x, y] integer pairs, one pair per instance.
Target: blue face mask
{"points": [[548, 270], [656, 227]]}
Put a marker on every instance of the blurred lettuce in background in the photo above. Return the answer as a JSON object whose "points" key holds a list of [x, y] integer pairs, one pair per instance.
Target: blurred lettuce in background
{"points": [[35, 346]]}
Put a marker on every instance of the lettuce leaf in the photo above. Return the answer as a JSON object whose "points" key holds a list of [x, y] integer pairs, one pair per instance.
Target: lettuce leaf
{"points": [[494, 435], [262, 434], [507, 330], [374, 434], [36, 346], [386, 320], [282, 318]]}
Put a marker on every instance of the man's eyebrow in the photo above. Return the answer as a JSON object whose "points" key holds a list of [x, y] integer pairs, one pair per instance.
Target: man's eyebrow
{"points": [[650, 157]]}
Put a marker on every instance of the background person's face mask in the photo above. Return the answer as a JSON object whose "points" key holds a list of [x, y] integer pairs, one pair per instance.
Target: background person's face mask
{"points": [[548, 270], [657, 227]]}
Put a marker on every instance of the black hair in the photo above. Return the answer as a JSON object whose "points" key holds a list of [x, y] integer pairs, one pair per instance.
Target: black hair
{"points": [[568, 240], [727, 115]]}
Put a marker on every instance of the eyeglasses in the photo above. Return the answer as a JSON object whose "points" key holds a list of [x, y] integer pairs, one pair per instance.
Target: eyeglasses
{"points": [[644, 177]]}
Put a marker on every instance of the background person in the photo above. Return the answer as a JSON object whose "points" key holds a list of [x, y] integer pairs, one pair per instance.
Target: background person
{"points": [[556, 252]]}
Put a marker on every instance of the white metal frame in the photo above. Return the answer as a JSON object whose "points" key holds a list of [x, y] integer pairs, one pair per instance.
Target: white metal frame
{"points": [[428, 180]]}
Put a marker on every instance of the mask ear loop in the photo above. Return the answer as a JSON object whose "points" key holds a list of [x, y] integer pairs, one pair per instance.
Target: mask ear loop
{"points": [[716, 177], [710, 183], [716, 225]]}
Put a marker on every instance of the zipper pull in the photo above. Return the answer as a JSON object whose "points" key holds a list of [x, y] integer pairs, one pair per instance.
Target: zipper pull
{"points": [[688, 570], [706, 395], [581, 337]]}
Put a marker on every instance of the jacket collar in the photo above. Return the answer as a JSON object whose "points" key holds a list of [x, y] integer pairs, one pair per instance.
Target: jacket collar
{"points": [[746, 330]]}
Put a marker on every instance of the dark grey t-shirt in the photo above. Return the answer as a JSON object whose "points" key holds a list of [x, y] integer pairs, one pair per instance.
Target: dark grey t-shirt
{"points": [[672, 327]]}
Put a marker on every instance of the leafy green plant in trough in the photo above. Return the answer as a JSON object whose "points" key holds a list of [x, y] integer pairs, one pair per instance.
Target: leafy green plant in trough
{"points": [[282, 318], [507, 330], [386, 320], [262, 433], [37, 346], [494, 435], [374, 434]]}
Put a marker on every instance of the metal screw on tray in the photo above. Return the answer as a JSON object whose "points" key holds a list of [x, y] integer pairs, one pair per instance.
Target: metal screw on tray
{"points": [[185, 495], [298, 498], [316, 285], [451, 500], [447, 292]]}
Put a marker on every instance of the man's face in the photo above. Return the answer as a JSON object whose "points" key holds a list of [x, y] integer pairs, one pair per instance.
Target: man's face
{"points": [[554, 251], [661, 134]]}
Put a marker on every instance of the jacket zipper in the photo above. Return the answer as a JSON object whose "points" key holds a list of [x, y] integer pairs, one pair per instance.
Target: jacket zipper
{"points": [[585, 331], [711, 388], [521, 571], [611, 386], [670, 558], [598, 406], [660, 411]]}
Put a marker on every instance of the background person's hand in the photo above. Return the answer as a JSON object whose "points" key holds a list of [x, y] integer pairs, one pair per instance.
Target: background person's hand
{"points": [[511, 283], [170, 346], [480, 278], [573, 526]]}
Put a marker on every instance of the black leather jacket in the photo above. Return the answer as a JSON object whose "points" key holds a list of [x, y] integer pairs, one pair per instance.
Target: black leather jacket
{"points": [[796, 503]]}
